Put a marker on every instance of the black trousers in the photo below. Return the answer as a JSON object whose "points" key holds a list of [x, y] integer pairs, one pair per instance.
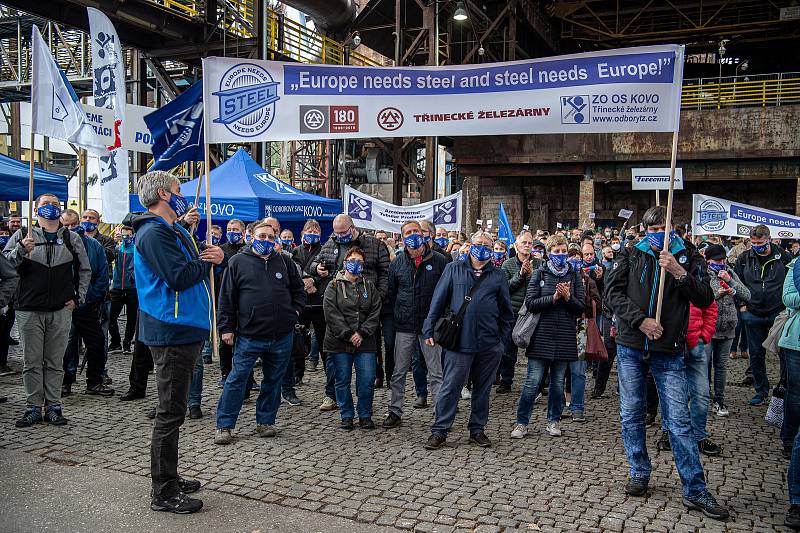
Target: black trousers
{"points": [[604, 367], [225, 359], [173, 369], [6, 323], [86, 327], [141, 365], [123, 298]]}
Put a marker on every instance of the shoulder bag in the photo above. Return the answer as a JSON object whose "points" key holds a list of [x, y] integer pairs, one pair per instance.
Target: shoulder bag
{"points": [[447, 331]]}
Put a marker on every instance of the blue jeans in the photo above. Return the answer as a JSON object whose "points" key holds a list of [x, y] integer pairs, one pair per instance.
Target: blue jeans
{"points": [[508, 362], [699, 392], [456, 368], [366, 365], [532, 385], [757, 329], [717, 353], [196, 387], [313, 353], [273, 356], [419, 370], [669, 372], [791, 403], [578, 387]]}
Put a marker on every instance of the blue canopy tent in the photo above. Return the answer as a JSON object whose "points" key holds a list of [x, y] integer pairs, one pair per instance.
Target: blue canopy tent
{"points": [[14, 177], [241, 189]]}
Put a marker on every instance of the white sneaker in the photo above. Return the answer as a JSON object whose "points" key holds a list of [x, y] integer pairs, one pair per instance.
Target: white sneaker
{"points": [[553, 429], [519, 431], [222, 436], [466, 394], [328, 404], [722, 410]]}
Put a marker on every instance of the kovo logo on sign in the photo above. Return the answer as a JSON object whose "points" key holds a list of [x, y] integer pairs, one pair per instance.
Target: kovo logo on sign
{"points": [[360, 208], [247, 95], [575, 109], [445, 212], [712, 215], [655, 179], [216, 209], [275, 184]]}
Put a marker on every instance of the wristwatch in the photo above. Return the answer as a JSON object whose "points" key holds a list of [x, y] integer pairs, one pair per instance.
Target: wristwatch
{"points": [[682, 279]]}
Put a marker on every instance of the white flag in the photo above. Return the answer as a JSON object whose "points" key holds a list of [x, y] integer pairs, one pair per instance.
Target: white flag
{"points": [[108, 71], [57, 113]]}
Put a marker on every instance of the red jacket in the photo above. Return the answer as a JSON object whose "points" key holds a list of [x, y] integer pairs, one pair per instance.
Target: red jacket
{"points": [[702, 324]]}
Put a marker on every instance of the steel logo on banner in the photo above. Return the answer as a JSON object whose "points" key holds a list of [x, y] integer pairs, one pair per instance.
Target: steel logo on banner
{"points": [[247, 95]]}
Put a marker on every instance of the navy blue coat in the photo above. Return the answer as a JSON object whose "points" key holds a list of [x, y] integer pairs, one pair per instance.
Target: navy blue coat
{"points": [[489, 317], [411, 288]]}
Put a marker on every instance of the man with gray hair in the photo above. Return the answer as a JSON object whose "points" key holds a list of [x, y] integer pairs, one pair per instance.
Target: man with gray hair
{"points": [[174, 319], [485, 327]]}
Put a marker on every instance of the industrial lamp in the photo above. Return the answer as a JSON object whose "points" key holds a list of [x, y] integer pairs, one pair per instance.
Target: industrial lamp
{"points": [[460, 13]]}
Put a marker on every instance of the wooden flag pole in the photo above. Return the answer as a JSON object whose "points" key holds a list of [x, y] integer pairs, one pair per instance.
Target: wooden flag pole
{"points": [[668, 222], [214, 347], [30, 187]]}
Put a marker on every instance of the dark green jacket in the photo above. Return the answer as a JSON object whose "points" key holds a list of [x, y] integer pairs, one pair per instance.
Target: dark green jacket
{"points": [[518, 285], [351, 307]]}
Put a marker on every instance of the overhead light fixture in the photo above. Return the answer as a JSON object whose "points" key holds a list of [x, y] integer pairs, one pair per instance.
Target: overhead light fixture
{"points": [[460, 13]]}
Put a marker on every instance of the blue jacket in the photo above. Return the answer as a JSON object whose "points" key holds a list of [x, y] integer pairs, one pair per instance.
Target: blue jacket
{"points": [[790, 338], [489, 317], [123, 269], [97, 260], [171, 281]]}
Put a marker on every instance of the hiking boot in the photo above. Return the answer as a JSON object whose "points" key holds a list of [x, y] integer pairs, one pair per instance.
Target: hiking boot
{"points": [[578, 416], [663, 443], [99, 390], [347, 424], [130, 396], [188, 486], [503, 388], [178, 504], [649, 419], [636, 486], [223, 436], [366, 423], [266, 431], [792, 518], [53, 415], [435, 442], [553, 429], [292, 399], [195, 412], [392, 421], [421, 402], [328, 404], [31, 416], [706, 503], [709, 448], [5, 370], [519, 431], [115, 348], [480, 439]]}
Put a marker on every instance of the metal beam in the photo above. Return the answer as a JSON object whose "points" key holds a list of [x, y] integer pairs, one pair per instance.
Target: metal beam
{"points": [[488, 31]]}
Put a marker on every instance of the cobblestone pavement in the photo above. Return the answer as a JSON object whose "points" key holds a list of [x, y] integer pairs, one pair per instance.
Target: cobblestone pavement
{"points": [[385, 477]]}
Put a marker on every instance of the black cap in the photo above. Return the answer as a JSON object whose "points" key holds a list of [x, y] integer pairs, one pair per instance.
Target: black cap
{"points": [[715, 252]]}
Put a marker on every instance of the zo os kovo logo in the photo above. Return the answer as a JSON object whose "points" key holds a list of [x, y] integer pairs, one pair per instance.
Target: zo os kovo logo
{"points": [[359, 208], [247, 95], [445, 212], [390, 118], [712, 215], [575, 109]]}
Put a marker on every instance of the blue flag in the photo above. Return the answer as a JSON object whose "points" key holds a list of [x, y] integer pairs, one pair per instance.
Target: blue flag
{"points": [[504, 232], [177, 129]]}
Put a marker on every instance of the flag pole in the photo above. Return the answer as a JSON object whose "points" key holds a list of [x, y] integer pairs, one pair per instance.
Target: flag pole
{"points": [[207, 157], [30, 185], [668, 222]]}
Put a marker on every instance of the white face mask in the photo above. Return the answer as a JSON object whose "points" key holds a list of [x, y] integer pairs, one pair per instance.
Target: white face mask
{"points": [[615, 247]]}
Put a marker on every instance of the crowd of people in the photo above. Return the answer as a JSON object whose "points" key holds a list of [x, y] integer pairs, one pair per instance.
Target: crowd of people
{"points": [[428, 301]]}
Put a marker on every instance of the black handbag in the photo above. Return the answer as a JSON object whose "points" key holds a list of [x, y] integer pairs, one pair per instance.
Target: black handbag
{"points": [[447, 331]]}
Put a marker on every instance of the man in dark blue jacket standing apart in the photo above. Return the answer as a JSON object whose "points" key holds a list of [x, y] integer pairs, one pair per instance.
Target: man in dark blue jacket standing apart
{"points": [[484, 330], [174, 320]]}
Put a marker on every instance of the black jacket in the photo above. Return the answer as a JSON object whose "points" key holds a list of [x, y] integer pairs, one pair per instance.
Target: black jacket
{"points": [[230, 249], [304, 255], [555, 337], [436, 248], [411, 288], [518, 285], [351, 307], [631, 292], [260, 298], [765, 283], [376, 261]]}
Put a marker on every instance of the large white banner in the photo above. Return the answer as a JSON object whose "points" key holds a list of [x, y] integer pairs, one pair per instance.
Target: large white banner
{"points": [[715, 216], [371, 213], [134, 134], [631, 89], [108, 72]]}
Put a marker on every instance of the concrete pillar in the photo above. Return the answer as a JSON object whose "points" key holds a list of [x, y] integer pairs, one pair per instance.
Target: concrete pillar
{"points": [[471, 203], [586, 203]]}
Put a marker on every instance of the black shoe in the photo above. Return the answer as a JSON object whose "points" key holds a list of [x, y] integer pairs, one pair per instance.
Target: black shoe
{"points": [[207, 360], [435, 442], [747, 381], [366, 423], [706, 503], [663, 443], [151, 414], [31, 416], [480, 439], [53, 416], [792, 519], [636, 486], [709, 448], [126, 348], [188, 486], [787, 453], [178, 504], [421, 402], [195, 412], [311, 365], [392, 421], [66, 390], [130, 396], [596, 394], [347, 424], [649, 419], [378, 383], [5, 370], [503, 388], [100, 390], [13, 342], [115, 348]]}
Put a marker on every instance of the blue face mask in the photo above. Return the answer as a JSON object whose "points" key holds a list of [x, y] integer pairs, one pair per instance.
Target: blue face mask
{"points": [[214, 240], [414, 241], [263, 247], [4, 240], [576, 263], [441, 241], [760, 248], [178, 204], [88, 226], [537, 254], [426, 239], [248, 239], [287, 242], [234, 237], [498, 256], [463, 256], [716, 267], [354, 266], [310, 238], [656, 238], [480, 252], [78, 229], [343, 239], [127, 242], [49, 212], [558, 260]]}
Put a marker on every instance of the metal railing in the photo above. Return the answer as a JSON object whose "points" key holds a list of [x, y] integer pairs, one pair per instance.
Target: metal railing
{"points": [[759, 90]]}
